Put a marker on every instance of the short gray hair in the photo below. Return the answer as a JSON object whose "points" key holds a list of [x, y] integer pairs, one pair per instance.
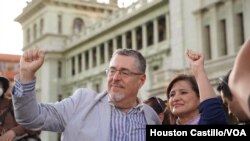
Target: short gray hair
{"points": [[140, 63]]}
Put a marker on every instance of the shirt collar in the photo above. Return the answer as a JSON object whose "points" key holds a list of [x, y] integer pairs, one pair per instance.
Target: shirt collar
{"points": [[138, 106]]}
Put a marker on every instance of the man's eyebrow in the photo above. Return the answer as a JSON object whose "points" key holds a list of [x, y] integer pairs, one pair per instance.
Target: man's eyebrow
{"points": [[113, 67], [124, 69]]}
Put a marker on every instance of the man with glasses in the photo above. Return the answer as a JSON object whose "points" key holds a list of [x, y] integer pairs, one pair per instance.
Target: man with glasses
{"points": [[115, 115]]}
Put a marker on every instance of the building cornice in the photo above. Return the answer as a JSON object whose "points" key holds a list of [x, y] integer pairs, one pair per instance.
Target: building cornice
{"points": [[32, 8], [114, 20], [36, 5], [204, 7]]}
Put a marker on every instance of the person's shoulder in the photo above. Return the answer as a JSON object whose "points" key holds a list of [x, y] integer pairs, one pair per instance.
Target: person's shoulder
{"points": [[86, 92], [148, 108], [211, 101]]}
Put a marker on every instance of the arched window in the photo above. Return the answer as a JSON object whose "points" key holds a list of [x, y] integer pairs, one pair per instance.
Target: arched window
{"points": [[78, 25]]}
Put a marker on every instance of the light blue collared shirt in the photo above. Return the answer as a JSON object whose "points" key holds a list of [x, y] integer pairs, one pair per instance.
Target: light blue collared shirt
{"points": [[130, 126], [23, 88]]}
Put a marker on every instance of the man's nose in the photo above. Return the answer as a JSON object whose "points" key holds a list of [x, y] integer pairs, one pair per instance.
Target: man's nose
{"points": [[117, 75]]}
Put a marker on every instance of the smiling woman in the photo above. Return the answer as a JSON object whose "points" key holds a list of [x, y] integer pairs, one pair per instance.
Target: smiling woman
{"points": [[10, 31], [191, 98]]}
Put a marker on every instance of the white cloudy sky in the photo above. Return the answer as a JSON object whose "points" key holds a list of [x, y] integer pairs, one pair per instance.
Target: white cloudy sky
{"points": [[10, 31], [11, 38]]}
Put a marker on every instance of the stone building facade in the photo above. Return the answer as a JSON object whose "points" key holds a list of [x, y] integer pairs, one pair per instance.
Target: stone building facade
{"points": [[79, 37]]}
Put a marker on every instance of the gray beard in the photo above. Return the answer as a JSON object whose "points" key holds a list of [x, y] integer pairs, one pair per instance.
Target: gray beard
{"points": [[116, 97]]}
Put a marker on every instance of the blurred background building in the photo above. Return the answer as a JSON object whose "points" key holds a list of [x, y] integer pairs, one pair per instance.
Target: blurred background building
{"points": [[9, 67], [79, 37]]}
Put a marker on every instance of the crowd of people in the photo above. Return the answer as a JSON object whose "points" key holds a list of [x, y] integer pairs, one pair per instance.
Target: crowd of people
{"points": [[118, 114]]}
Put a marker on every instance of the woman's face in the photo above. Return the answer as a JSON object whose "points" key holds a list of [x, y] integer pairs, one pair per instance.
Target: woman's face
{"points": [[182, 98]]}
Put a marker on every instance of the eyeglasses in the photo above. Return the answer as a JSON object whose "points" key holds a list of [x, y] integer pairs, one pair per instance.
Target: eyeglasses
{"points": [[122, 72]]}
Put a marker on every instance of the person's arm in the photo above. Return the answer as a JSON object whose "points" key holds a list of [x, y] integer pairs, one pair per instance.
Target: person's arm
{"points": [[239, 79], [17, 131], [196, 62], [23, 91], [30, 62], [8, 136], [28, 112]]}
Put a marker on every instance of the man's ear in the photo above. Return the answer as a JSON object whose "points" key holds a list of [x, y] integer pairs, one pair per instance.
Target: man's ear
{"points": [[142, 80]]}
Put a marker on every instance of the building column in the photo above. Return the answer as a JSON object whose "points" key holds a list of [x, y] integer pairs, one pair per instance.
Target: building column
{"points": [[231, 28], [155, 28], [114, 41], [134, 39], [167, 27], [98, 57], [76, 65], [83, 62], [106, 54], [68, 68], [246, 15], [144, 36], [200, 28], [90, 58], [215, 38], [124, 44]]}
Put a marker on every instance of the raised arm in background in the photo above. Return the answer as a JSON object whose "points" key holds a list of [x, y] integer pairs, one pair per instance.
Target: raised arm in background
{"points": [[239, 79], [196, 62]]}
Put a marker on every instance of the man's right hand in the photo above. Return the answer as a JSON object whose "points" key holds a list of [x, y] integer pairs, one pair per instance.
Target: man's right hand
{"points": [[30, 62]]}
